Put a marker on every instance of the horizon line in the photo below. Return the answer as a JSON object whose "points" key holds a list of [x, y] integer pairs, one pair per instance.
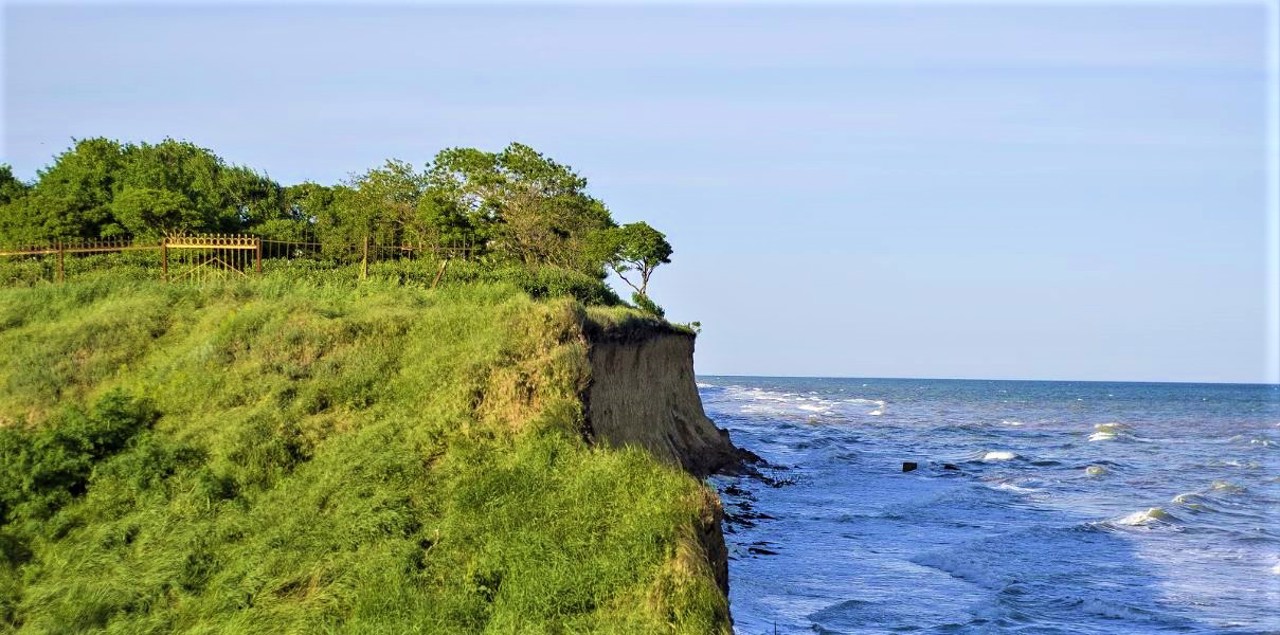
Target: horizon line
{"points": [[1059, 381]]}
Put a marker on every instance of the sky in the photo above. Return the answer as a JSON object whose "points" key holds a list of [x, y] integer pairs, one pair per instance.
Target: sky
{"points": [[1074, 191]]}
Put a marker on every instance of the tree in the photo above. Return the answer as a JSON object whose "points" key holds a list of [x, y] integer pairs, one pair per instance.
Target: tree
{"points": [[217, 198], [636, 247], [380, 205], [15, 224], [11, 189], [151, 213], [522, 205], [177, 184], [72, 197]]}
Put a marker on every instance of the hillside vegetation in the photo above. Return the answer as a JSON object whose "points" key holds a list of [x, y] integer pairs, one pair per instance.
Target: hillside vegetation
{"points": [[514, 208], [287, 454]]}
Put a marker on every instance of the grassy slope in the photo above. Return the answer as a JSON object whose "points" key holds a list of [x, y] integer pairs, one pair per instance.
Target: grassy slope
{"points": [[276, 456]]}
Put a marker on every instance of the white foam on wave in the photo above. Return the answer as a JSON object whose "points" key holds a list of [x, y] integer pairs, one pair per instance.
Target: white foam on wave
{"points": [[878, 403], [769, 402], [702, 385], [1010, 487], [1276, 569], [1095, 471], [999, 455], [1194, 501], [1108, 431], [1227, 486], [1010, 423], [1148, 517]]}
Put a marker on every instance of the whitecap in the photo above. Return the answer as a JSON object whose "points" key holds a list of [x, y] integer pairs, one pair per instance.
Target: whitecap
{"points": [[1095, 471], [999, 455], [1108, 431], [1010, 487], [1227, 486], [1010, 423], [1150, 516]]}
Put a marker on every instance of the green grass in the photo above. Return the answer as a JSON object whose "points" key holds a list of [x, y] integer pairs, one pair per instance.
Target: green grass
{"points": [[289, 454]]}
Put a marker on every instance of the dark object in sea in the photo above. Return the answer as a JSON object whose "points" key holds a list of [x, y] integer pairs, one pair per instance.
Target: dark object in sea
{"points": [[908, 466], [949, 466], [761, 551]]}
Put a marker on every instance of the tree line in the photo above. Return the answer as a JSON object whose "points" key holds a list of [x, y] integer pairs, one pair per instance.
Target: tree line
{"points": [[515, 206]]}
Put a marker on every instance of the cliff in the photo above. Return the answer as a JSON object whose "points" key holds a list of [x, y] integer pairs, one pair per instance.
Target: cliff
{"points": [[642, 393]]}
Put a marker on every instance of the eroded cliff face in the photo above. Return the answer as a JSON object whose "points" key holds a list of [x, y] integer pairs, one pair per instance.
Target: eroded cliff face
{"points": [[642, 392]]}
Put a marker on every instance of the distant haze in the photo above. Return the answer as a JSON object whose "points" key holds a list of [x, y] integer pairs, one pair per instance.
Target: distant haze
{"points": [[923, 190]]}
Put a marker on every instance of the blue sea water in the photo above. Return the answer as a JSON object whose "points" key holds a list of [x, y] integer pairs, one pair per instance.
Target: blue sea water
{"points": [[1075, 507]]}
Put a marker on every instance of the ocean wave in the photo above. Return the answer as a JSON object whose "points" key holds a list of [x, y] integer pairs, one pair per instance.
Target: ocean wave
{"points": [[1151, 516], [1257, 442], [999, 455], [1228, 486], [1194, 501], [1096, 471], [1106, 608], [1110, 432], [759, 401]]}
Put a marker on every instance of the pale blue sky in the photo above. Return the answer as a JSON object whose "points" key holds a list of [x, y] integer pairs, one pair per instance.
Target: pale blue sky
{"points": [[1068, 191]]}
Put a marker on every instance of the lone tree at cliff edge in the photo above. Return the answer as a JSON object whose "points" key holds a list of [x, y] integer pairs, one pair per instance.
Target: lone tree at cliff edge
{"points": [[640, 248]]}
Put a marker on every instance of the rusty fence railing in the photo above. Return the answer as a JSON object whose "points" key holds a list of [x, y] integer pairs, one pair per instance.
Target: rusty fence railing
{"points": [[202, 257]]}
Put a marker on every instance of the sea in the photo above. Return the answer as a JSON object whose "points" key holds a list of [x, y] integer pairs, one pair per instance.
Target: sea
{"points": [[1034, 507]]}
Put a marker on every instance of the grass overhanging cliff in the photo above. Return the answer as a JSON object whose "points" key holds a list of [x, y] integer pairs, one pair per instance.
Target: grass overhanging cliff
{"points": [[277, 455]]}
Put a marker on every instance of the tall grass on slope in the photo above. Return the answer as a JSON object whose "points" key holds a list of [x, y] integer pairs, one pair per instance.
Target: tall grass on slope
{"points": [[281, 456]]}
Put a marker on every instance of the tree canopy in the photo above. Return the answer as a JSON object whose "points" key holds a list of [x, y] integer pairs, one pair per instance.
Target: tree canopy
{"points": [[515, 206], [638, 248]]}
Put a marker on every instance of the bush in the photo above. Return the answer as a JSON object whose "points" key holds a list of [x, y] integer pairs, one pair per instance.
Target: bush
{"points": [[45, 468], [643, 303]]}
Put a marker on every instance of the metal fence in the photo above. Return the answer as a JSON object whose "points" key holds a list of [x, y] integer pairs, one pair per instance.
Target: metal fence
{"points": [[205, 257]]}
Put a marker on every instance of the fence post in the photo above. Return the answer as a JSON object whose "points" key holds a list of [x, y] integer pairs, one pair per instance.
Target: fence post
{"points": [[364, 260], [257, 265], [61, 269], [440, 274], [164, 259]]}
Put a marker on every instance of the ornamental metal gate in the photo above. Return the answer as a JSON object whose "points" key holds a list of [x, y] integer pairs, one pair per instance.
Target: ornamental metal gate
{"points": [[204, 258]]}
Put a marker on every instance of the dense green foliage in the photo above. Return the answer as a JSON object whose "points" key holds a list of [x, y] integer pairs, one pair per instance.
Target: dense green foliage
{"points": [[515, 207], [299, 454]]}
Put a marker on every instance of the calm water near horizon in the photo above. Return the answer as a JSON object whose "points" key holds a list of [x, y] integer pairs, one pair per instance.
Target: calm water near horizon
{"points": [[1077, 507]]}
